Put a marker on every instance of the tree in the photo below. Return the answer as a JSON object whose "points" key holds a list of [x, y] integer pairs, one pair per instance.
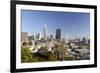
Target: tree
{"points": [[52, 57], [26, 55], [60, 51]]}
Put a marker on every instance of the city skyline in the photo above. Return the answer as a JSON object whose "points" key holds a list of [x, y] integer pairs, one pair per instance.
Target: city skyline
{"points": [[71, 23]]}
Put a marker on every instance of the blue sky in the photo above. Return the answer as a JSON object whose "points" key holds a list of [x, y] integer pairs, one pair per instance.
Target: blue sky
{"points": [[71, 23]]}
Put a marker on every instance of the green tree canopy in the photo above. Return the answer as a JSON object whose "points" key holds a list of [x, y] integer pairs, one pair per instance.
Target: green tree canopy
{"points": [[26, 55]]}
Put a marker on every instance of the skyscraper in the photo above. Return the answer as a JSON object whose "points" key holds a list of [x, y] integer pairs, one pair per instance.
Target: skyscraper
{"points": [[24, 37], [51, 37], [45, 32], [58, 34], [39, 36]]}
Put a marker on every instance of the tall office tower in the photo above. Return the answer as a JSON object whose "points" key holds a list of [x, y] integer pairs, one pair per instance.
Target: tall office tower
{"points": [[39, 36], [45, 32], [31, 37], [84, 40], [51, 37], [58, 34], [24, 37]]}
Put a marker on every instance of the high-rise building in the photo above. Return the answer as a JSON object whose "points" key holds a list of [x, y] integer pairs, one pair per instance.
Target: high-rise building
{"points": [[58, 34], [39, 36], [84, 40], [31, 37], [45, 32], [51, 37], [24, 37]]}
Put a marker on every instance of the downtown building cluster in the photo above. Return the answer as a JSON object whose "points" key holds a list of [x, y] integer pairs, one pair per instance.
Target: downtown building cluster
{"points": [[77, 47]]}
